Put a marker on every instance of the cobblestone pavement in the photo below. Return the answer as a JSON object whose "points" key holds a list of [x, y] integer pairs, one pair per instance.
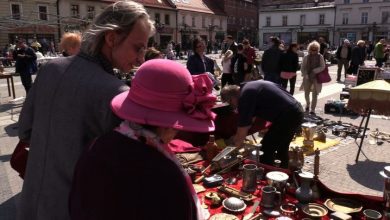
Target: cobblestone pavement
{"points": [[338, 169]]}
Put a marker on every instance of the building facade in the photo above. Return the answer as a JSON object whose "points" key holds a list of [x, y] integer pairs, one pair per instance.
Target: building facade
{"points": [[300, 23], [242, 20], [201, 18], [29, 20], [362, 20]]}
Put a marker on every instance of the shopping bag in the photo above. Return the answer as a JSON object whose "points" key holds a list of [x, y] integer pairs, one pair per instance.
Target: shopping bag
{"points": [[323, 76], [19, 158]]}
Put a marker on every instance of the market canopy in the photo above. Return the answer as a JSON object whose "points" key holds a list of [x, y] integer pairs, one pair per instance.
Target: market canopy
{"points": [[373, 95]]}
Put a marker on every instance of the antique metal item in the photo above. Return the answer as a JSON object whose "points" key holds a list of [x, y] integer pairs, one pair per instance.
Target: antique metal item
{"points": [[343, 205], [271, 212], [289, 209], [296, 158], [269, 197], [213, 181], [340, 216], [249, 178], [304, 193], [252, 212], [371, 214], [231, 180], [234, 204], [278, 180], [223, 216], [236, 193], [314, 210], [308, 131]]}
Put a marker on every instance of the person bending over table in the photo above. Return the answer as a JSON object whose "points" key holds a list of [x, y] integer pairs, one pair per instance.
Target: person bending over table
{"points": [[270, 102], [130, 173]]}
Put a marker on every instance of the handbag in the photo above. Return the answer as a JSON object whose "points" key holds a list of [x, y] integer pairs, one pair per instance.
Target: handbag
{"points": [[287, 75], [19, 158], [323, 76]]}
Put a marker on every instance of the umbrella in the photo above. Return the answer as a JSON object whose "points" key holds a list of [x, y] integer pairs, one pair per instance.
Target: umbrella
{"points": [[374, 95]]}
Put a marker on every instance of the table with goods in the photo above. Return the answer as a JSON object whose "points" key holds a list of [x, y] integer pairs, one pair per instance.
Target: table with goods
{"points": [[232, 183]]}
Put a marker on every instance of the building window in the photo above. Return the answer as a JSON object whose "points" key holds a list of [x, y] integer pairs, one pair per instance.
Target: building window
{"points": [[212, 21], [42, 12], [302, 20], [193, 21], [365, 1], [74, 11], [385, 17], [157, 18], [345, 18], [183, 19], [240, 21], [268, 21], [364, 19], [167, 19], [346, 1], [284, 20], [204, 21], [234, 20], [16, 11], [220, 23], [322, 19], [252, 22], [90, 12]]}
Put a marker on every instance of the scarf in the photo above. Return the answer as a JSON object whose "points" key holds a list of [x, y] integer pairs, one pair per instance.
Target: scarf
{"points": [[138, 132]]}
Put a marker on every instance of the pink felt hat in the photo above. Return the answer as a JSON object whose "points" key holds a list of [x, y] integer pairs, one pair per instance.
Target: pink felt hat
{"points": [[163, 93]]}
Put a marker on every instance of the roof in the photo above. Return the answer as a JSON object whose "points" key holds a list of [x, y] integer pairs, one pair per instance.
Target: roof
{"points": [[165, 4], [203, 6]]}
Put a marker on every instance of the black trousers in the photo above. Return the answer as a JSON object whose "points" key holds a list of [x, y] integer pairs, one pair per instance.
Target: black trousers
{"points": [[292, 84], [26, 80], [276, 141], [227, 78]]}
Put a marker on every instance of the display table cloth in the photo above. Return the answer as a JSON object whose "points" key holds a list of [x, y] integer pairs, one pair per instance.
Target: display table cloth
{"points": [[368, 202]]}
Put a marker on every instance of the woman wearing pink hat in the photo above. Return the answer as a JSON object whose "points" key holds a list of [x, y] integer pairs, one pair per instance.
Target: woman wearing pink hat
{"points": [[130, 173]]}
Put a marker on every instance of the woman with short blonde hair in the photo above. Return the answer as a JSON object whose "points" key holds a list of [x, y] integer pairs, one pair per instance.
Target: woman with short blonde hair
{"points": [[70, 43], [312, 64]]}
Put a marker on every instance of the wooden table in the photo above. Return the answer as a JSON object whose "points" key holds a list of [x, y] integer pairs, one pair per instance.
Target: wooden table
{"points": [[9, 77]]}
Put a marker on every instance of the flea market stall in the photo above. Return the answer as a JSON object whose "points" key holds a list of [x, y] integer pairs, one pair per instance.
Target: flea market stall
{"points": [[234, 184]]}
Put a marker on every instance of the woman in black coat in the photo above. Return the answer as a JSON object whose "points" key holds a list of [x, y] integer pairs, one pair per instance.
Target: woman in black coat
{"points": [[198, 63], [289, 65], [358, 56]]}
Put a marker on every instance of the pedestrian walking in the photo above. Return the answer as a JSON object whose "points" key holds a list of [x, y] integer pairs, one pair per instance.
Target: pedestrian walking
{"points": [[239, 65], [270, 63], [358, 55], [250, 55], [69, 106], [25, 63], [289, 63], [379, 52], [227, 75], [266, 100], [312, 64], [343, 55]]}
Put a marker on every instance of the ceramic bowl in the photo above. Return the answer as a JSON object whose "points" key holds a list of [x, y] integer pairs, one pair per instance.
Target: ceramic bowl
{"points": [[371, 214], [234, 204]]}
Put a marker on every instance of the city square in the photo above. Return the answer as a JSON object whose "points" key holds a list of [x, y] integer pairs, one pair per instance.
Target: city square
{"points": [[346, 165]]}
